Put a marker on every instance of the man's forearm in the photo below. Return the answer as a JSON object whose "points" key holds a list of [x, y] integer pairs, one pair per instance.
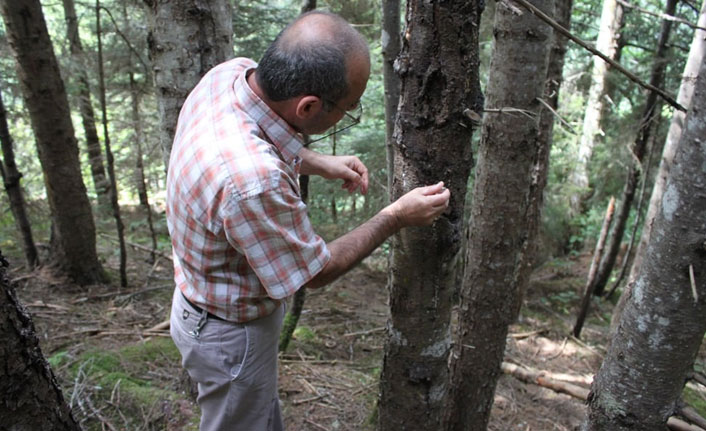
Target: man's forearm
{"points": [[351, 248]]}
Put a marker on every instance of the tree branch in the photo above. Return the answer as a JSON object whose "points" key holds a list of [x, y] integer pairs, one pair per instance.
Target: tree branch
{"points": [[556, 26], [660, 15]]}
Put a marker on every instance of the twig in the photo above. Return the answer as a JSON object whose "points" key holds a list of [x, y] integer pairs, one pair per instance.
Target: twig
{"points": [[321, 427], [139, 247], [308, 400], [693, 284], [510, 110], [369, 331], [541, 15], [586, 346], [112, 294], [556, 114], [664, 16], [522, 335]]}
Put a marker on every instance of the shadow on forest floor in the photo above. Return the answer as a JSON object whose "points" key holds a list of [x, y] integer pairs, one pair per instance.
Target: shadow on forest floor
{"points": [[120, 371]]}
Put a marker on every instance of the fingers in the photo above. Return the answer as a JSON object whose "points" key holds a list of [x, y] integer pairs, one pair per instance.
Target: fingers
{"points": [[433, 189]]}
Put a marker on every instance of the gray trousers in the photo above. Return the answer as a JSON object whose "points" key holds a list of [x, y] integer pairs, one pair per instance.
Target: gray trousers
{"points": [[234, 365]]}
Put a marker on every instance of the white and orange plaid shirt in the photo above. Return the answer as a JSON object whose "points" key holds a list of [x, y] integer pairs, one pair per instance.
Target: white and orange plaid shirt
{"points": [[241, 237]]}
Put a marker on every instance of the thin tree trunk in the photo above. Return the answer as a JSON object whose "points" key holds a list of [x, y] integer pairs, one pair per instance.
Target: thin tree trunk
{"points": [[390, 49], [557, 52], [500, 228], [685, 97], [186, 39], [31, 397], [697, 52], [627, 258], [607, 43], [115, 205], [291, 319], [663, 325], [590, 279], [88, 118], [11, 177], [647, 122], [139, 167], [73, 241]]}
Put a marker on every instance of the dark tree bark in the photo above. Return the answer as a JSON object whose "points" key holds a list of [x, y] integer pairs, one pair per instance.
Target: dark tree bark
{"points": [[438, 68], [73, 241], [390, 49], [663, 324], [499, 228], [187, 38], [540, 169], [639, 148], [11, 177], [31, 398], [114, 204], [88, 118], [608, 44]]}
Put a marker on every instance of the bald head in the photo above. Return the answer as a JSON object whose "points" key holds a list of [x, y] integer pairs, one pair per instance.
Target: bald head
{"points": [[310, 56]]}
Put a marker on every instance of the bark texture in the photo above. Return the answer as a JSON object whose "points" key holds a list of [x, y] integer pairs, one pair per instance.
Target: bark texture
{"points": [[88, 117], [663, 323], [73, 242], [639, 149], [499, 227], [607, 43], [540, 169], [31, 398], [186, 39], [11, 177], [438, 68], [390, 40], [684, 98]]}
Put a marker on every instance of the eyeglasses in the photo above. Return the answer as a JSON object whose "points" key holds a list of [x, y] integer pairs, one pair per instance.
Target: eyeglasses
{"points": [[354, 119]]}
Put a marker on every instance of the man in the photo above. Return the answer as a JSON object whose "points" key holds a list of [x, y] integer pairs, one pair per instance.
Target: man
{"points": [[240, 232]]}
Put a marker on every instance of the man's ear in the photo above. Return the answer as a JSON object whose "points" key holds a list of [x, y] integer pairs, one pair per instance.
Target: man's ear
{"points": [[308, 106]]}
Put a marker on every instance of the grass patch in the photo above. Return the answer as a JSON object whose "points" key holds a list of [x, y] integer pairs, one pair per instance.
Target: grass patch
{"points": [[695, 399]]}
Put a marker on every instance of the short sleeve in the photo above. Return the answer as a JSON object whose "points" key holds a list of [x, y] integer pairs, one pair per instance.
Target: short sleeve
{"points": [[272, 230]]}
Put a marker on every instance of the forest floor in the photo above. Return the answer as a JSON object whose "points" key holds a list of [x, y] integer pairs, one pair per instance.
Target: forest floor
{"points": [[120, 371]]}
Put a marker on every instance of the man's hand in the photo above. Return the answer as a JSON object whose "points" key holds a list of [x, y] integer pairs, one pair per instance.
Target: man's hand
{"points": [[421, 206], [347, 168]]}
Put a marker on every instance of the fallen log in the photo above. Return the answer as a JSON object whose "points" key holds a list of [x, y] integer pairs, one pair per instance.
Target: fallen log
{"points": [[540, 378]]}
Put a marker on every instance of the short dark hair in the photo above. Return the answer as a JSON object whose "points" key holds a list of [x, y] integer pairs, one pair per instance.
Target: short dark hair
{"points": [[288, 69]]}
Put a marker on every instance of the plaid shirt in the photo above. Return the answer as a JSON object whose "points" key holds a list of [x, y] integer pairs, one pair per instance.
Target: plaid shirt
{"points": [[241, 237]]}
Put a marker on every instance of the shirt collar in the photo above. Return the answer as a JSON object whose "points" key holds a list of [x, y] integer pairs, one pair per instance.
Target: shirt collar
{"points": [[278, 132]]}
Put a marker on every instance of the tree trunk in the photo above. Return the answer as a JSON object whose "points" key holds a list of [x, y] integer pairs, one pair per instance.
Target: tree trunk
{"points": [[187, 38], [390, 49], [499, 227], [697, 53], [88, 118], [114, 204], [73, 243], [639, 148], [31, 398], [438, 67], [540, 169], [684, 98], [11, 177], [663, 324], [139, 168], [590, 279], [607, 43]]}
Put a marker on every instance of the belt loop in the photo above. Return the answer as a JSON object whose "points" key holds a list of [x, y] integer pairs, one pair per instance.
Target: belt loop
{"points": [[199, 325]]}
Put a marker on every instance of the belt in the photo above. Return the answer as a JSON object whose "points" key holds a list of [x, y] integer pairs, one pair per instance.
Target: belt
{"points": [[200, 310]]}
